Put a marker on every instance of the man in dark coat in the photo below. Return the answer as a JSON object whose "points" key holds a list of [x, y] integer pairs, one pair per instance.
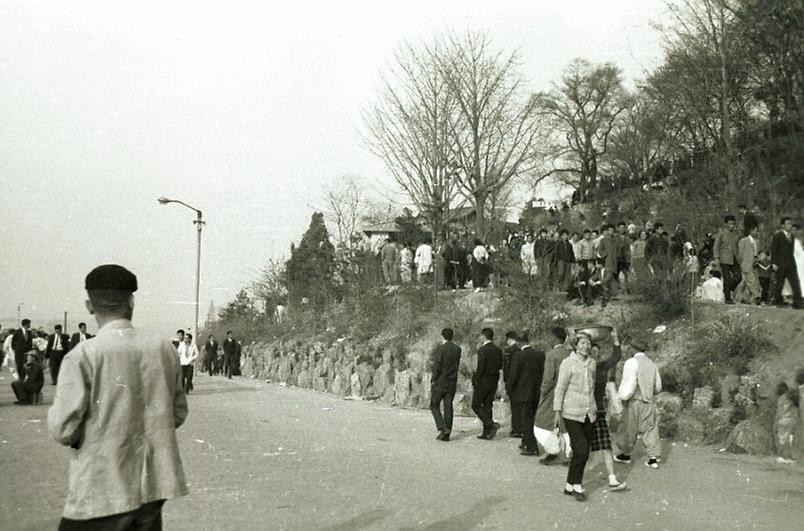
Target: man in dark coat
{"points": [[211, 354], [527, 369], [29, 386], [512, 347], [230, 348], [444, 361], [57, 345], [80, 336], [22, 342], [484, 383], [545, 416], [784, 262]]}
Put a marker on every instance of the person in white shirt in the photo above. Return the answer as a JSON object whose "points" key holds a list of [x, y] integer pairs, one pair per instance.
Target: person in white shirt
{"points": [[527, 257], [712, 288], [188, 353], [641, 382], [480, 258], [424, 262]]}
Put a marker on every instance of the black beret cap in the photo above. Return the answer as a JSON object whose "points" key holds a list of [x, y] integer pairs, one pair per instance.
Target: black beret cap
{"points": [[111, 276], [639, 344]]}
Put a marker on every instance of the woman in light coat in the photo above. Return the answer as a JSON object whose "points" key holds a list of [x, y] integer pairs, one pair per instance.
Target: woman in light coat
{"points": [[574, 403]]}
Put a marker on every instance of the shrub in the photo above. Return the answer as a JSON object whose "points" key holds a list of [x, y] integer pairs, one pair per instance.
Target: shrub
{"points": [[666, 289], [722, 347]]}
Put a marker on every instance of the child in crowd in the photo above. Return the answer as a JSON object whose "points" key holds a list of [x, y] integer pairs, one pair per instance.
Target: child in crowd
{"points": [[764, 269], [712, 289]]}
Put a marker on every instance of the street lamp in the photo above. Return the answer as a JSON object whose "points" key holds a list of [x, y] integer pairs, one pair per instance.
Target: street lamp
{"points": [[19, 312], [199, 222]]}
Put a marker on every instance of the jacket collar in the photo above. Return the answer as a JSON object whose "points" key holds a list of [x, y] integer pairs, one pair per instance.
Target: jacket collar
{"points": [[117, 324]]}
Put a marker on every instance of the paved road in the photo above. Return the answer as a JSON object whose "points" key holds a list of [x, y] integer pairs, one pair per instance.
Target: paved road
{"points": [[261, 456]]}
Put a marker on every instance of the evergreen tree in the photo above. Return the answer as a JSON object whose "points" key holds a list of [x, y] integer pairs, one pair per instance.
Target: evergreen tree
{"points": [[311, 267]]}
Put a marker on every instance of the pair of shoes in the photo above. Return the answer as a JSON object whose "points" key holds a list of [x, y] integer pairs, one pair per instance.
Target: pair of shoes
{"points": [[496, 425], [22, 403], [622, 458], [568, 492], [619, 487], [730, 301], [483, 436], [515, 434], [443, 435], [529, 453], [652, 463], [549, 459]]}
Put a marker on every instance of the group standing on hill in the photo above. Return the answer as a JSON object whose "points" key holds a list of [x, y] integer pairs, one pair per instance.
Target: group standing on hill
{"points": [[590, 265], [562, 398]]}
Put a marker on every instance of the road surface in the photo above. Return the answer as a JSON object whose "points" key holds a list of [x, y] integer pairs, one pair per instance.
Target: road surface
{"points": [[261, 456]]}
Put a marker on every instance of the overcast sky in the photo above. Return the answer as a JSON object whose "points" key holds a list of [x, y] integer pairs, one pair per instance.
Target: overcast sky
{"points": [[243, 110]]}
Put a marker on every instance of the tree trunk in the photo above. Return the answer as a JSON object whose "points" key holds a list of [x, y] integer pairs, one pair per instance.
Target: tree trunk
{"points": [[480, 215]]}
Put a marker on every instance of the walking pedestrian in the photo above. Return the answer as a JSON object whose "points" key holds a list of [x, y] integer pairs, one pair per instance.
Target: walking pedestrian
{"points": [[118, 403], [444, 362], [641, 382], [188, 353], [726, 256], [511, 348], [229, 354], [601, 436], [544, 429], [484, 383], [574, 405], [527, 368], [57, 344]]}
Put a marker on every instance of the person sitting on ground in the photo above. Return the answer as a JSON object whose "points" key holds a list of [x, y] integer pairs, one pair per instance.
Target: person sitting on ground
{"points": [[712, 288], [34, 380], [595, 285], [580, 283]]}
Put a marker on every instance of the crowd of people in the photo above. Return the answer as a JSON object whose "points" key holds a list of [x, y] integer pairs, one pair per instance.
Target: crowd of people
{"points": [[562, 400], [28, 354], [591, 264]]}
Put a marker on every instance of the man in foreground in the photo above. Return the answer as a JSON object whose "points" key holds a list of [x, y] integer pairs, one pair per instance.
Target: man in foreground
{"points": [[444, 361], [118, 403], [484, 383]]}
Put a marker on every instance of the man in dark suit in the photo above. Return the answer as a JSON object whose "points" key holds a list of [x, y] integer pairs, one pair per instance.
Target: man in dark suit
{"points": [[444, 362], [57, 344], [512, 347], [229, 354], [80, 336], [22, 342], [527, 369], [784, 262], [607, 251], [484, 383], [211, 354]]}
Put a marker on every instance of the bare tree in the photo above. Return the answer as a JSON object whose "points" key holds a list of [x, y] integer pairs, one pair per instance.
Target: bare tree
{"points": [[409, 129], [582, 110], [345, 208], [706, 72], [495, 130]]}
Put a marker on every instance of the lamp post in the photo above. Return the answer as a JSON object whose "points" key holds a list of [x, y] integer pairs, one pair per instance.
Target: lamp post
{"points": [[19, 313], [199, 223]]}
